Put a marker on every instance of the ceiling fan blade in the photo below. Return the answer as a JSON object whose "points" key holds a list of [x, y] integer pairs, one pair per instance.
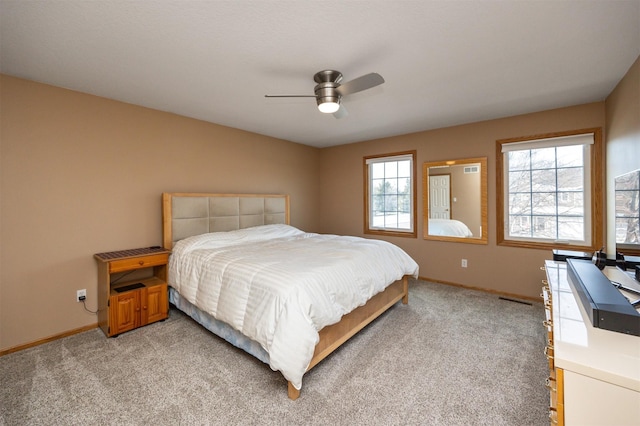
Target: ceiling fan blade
{"points": [[341, 112], [361, 83], [289, 96]]}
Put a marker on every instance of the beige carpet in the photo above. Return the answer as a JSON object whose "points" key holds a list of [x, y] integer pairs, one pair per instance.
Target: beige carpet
{"points": [[451, 357]]}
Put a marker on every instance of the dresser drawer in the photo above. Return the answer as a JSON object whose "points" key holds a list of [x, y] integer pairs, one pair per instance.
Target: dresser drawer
{"points": [[138, 262]]}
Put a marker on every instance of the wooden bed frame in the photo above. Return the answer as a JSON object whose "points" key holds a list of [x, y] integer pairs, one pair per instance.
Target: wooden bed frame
{"points": [[236, 211]]}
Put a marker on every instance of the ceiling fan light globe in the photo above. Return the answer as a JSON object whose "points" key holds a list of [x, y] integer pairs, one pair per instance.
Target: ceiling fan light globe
{"points": [[328, 107]]}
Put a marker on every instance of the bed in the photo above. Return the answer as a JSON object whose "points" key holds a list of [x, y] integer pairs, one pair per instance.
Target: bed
{"points": [[287, 297]]}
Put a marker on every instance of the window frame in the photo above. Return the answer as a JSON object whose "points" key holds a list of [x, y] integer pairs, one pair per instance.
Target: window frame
{"points": [[596, 165], [414, 189]]}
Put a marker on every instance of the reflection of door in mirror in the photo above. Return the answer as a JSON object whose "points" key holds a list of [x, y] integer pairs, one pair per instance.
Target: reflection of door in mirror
{"points": [[455, 200], [439, 199]]}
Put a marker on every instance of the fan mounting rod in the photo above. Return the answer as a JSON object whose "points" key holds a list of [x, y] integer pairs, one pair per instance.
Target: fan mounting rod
{"points": [[328, 76]]}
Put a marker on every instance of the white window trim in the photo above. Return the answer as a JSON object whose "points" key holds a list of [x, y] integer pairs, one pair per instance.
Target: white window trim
{"points": [[582, 139]]}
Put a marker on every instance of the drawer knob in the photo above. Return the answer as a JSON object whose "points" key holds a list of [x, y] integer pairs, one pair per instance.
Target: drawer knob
{"points": [[141, 262], [549, 383]]}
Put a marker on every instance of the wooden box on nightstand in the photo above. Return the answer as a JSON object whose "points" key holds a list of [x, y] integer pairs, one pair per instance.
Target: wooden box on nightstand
{"points": [[123, 306]]}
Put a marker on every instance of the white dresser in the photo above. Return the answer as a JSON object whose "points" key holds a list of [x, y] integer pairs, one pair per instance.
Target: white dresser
{"points": [[594, 373]]}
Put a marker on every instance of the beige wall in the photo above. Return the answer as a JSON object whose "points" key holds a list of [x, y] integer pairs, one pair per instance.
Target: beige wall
{"points": [[504, 269], [465, 199], [623, 138], [82, 174]]}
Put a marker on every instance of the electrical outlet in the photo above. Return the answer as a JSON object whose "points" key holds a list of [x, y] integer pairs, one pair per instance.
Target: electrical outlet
{"points": [[81, 295], [464, 263]]}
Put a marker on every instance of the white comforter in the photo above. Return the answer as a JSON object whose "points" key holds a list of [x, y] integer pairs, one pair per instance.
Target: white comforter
{"points": [[449, 227], [279, 285]]}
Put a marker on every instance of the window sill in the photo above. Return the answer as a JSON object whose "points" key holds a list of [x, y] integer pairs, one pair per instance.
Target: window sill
{"points": [[546, 246], [407, 234]]}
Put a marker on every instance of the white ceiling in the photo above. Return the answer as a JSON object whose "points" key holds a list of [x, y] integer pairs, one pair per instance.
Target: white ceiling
{"points": [[444, 62]]}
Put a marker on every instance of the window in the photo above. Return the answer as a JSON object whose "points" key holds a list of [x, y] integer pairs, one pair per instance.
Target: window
{"points": [[550, 191], [390, 195], [627, 201]]}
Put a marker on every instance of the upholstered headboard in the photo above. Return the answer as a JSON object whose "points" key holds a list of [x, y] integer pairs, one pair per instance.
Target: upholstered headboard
{"points": [[188, 214]]}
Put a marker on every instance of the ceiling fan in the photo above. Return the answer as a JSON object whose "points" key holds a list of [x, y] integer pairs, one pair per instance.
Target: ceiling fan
{"points": [[329, 91]]}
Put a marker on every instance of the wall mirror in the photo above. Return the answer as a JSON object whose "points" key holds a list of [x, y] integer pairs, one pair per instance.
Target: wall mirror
{"points": [[455, 200], [627, 199]]}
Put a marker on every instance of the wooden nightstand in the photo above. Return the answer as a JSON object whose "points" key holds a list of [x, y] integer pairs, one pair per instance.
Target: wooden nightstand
{"points": [[125, 305]]}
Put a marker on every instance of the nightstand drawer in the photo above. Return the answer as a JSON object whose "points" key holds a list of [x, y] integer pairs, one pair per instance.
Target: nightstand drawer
{"points": [[138, 262]]}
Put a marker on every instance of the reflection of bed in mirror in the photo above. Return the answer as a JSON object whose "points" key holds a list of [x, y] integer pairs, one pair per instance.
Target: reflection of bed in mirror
{"points": [[449, 227], [455, 200]]}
